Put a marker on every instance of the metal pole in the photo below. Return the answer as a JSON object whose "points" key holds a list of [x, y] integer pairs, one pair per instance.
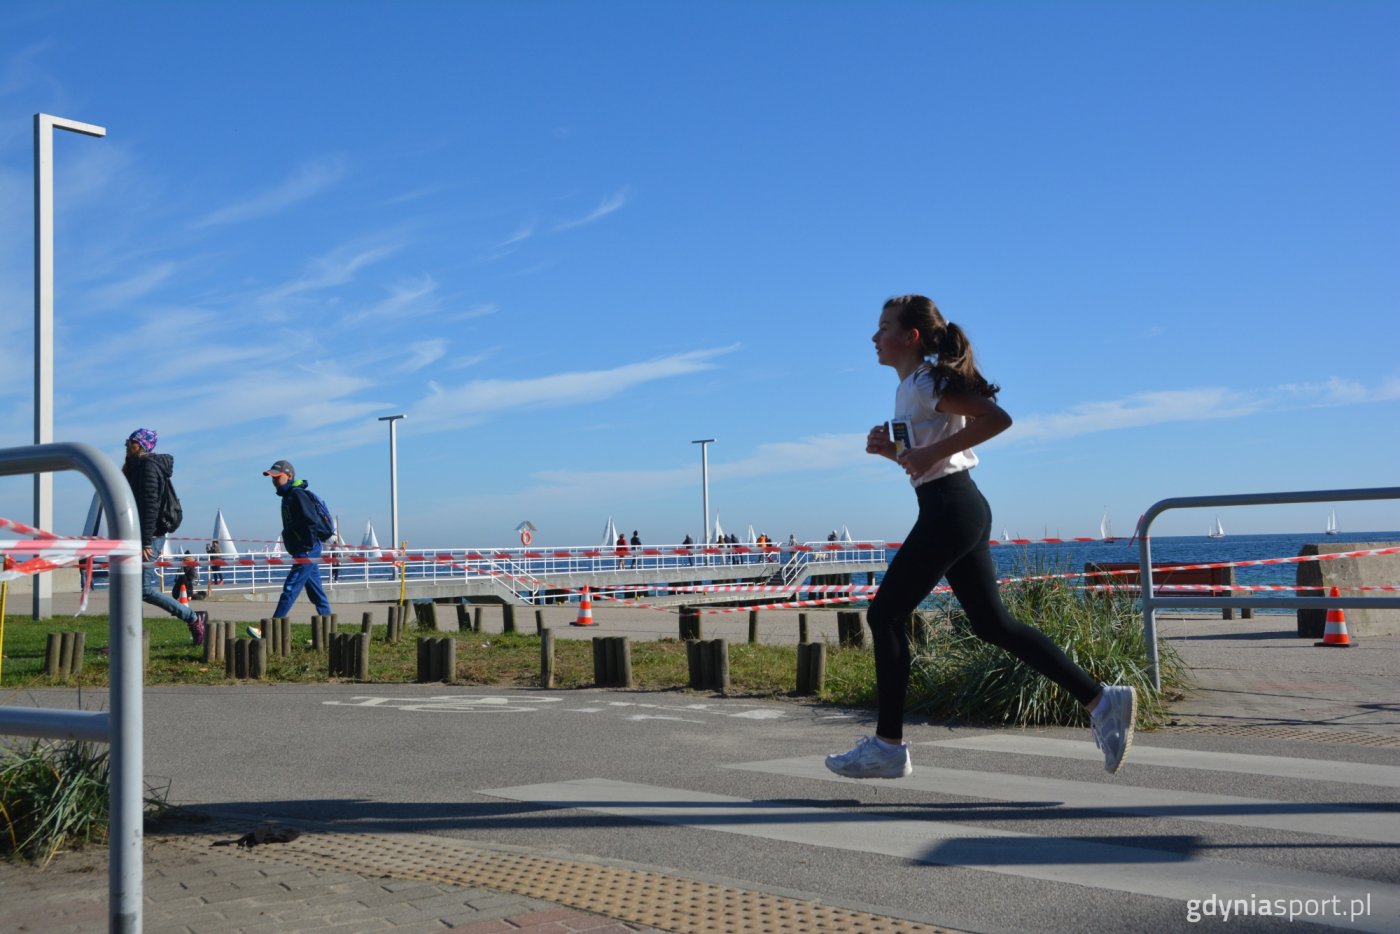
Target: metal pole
{"points": [[393, 478], [705, 480], [44, 125]]}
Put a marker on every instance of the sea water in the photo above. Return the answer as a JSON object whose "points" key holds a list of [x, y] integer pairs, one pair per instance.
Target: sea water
{"points": [[1070, 557]]}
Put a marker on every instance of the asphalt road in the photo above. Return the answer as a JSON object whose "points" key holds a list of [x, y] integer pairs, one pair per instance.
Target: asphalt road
{"points": [[995, 831]]}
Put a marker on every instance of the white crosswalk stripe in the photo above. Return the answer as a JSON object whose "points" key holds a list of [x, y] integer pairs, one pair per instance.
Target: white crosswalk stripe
{"points": [[1349, 822], [1323, 770], [1126, 868]]}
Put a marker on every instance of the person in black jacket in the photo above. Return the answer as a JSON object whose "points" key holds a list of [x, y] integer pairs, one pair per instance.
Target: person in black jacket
{"points": [[299, 522], [149, 474]]}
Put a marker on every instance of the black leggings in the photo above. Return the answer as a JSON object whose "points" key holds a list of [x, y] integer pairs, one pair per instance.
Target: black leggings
{"points": [[950, 540]]}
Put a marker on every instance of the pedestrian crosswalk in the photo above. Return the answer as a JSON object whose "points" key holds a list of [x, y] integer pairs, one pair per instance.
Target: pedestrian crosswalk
{"points": [[1153, 864]]}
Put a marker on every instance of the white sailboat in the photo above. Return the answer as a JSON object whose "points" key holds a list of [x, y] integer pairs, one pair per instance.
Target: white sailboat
{"points": [[1332, 524], [1217, 530], [1105, 527], [1005, 535]]}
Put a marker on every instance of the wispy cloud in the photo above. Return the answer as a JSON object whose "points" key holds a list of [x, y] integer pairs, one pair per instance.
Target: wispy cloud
{"points": [[449, 407], [1193, 405], [608, 205], [335, 268], [128, 290], [422, 353], [308, 181], [409, 299]]}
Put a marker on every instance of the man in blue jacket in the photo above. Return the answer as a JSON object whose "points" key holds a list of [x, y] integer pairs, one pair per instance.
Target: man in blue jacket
{"points": [[301, 534]]}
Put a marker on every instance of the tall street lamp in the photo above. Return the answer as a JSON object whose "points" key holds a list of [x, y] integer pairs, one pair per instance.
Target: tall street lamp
{"points": [[393, 478], [705, 480], [44, 125]]}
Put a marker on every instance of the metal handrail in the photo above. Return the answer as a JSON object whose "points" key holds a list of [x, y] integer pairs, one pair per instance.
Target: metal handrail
{"points": [[1151, 602], [120, 727]]}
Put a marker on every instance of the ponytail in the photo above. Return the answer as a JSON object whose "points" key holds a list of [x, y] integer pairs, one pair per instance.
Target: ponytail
{"points": [[954, 366]]}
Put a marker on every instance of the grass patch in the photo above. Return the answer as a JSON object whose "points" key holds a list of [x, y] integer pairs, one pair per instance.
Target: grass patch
{"points": [[957, 676]]}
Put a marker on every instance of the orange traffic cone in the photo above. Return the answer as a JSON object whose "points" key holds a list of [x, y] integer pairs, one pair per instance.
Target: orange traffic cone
{"points": [[183, 590], [1335, 633], [585, 610]]}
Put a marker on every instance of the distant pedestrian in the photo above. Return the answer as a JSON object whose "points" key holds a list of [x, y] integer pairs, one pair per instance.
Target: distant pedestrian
{"points": [[304, 529], [636, 544], [621, 550], [947, 407], [149, 476], [686, 547], [216, 573]]}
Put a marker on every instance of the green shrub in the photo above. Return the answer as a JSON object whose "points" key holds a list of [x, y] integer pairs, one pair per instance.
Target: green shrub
{"points": [[956, 676], [52, 796]]}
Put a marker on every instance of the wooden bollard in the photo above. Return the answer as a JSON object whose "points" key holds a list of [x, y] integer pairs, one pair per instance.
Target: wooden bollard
{"points": [[257, 659], [753, 627], [447, 659], [75, 653], [241, 652], [612, 661], [265, 627], [539, 622], [507, 617], [811, 667], [547, 658], [215, 638], [476, 619], [425, 656], [362, 656], [367, 622], [427, 615], [719, 664], [333, 651], [801, 628], [848, 628], [53, 654], [709, 664], [689, 624], [464, 618]]}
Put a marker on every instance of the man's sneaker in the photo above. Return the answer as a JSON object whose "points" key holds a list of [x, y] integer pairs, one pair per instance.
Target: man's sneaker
{"points": [[1112, 723], [255, 632], [871, 759], [198, 627]]}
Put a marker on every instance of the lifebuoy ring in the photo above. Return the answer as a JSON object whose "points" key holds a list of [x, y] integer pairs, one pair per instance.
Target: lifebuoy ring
{"points": [[525, 537]]}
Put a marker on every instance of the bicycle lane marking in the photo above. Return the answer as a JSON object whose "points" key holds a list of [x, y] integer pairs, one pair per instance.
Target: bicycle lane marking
{"points": [[527, 703]]}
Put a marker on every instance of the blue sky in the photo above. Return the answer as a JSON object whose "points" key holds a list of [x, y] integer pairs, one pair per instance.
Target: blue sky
{"points": [[568, 238]]}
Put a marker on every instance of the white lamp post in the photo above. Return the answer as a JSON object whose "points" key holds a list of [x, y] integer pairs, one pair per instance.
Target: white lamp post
{"points": [[44, 125], [705, 480], [393, 479]]}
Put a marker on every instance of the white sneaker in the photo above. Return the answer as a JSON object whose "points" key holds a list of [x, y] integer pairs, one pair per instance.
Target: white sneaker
{"points": [[1113, 728], [871, 759], [255, 632]]}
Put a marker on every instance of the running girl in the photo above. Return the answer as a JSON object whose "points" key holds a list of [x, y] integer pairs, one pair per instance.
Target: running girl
{"points": [[947, 408]]}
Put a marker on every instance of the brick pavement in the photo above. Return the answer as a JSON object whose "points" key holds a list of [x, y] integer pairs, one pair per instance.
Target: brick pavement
{"points": [[220, 890]]}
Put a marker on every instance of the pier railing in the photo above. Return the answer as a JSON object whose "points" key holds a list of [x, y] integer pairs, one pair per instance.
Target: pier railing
{"points": [[254, 572]]}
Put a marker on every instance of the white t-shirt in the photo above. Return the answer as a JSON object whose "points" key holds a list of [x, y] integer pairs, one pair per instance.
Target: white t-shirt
{"points": [[915, 402]]}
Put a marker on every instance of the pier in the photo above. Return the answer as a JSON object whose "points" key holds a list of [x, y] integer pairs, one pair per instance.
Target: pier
{"points": [[536, 577]]}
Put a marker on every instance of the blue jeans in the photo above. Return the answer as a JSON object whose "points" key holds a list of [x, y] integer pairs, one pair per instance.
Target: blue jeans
{"points": [[150, 587], [307, 576]]}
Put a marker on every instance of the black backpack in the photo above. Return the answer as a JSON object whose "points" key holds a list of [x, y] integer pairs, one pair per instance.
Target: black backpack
{"points": [[169, 515]]}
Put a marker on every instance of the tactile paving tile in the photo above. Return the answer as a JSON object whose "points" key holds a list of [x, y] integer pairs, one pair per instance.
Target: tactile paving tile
{"points": [[1288, 732], [671, 903]]}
